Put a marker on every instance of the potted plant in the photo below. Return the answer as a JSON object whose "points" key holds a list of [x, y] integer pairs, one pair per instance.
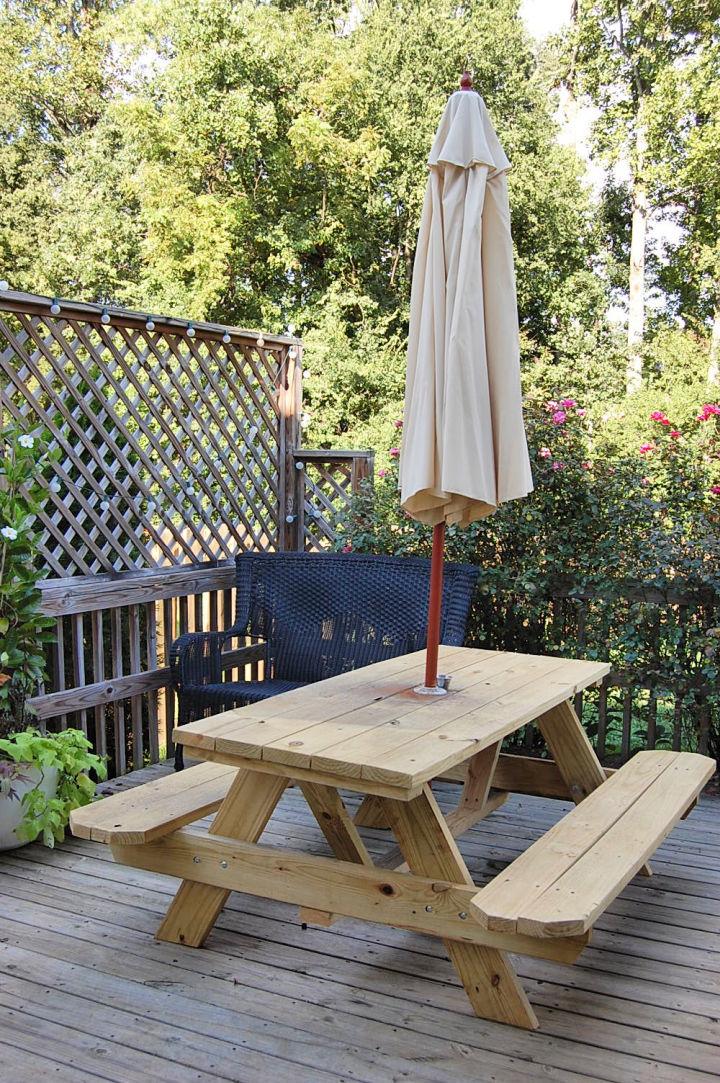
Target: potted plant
{"points": [[42, 777]]}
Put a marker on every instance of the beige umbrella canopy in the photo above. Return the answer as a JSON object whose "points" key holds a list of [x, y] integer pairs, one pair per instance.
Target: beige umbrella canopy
{"points": [[464, 445]]}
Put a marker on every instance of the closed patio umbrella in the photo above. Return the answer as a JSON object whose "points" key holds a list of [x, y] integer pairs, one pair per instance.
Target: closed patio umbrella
{"points": [[464, 445]]}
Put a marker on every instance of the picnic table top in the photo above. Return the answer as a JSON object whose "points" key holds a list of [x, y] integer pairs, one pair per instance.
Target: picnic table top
{"points": [[369, 724]]}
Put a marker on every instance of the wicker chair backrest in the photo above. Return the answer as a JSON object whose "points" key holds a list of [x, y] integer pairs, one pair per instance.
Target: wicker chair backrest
{"points": [[325, 613]]}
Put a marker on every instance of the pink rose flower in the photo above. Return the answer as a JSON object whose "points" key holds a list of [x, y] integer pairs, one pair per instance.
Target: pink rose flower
{"points": [[394, 452], [657, 415], [586, 466], [558, 466], [347, 548], [567, 404], [382, 473], [398, 423], [559, 417], [675, 434], [708, 410], [581, 412], [646, 448], [715, 490], [544, 452], [552, 405]]}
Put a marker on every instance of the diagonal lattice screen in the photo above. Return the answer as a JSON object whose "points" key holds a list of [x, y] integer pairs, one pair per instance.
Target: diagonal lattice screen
{"points": [[169, 445]]}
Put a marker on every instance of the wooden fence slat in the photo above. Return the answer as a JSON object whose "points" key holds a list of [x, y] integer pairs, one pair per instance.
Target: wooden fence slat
{"points": [[136, 703], [78, 658], [116, 640], [98, 659]]}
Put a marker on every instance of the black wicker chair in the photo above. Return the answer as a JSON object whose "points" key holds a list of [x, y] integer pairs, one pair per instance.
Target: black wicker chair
{"points": [[317, 615]]}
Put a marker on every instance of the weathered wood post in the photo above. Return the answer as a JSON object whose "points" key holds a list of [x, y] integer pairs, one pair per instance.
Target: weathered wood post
{"points": [[291, 481]]}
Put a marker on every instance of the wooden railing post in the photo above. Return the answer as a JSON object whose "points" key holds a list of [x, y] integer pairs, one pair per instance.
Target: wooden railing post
{"points": [[290, 482]]}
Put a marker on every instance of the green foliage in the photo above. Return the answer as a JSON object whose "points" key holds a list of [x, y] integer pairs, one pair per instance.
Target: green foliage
{"points": [[69, 752], [584, 565], [24, 630], [266, 163]]}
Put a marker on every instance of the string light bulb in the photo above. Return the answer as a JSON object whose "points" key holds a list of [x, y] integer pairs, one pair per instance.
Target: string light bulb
{"points": [[190, 331], [105, 318], [226, 338], [55, 307], [149, 324], [260, 342], [4, 285]]}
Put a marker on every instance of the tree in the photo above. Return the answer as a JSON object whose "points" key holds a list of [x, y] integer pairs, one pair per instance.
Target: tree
{"points": [[684, 131], [623, 50]]}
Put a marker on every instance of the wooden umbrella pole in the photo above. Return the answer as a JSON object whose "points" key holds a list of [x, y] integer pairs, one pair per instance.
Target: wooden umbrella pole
{"points": [[435, 605]]}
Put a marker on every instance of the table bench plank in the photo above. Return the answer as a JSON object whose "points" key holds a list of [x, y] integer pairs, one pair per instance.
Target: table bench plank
{"points": [[586, 889], [570, 874], [148, 812]]}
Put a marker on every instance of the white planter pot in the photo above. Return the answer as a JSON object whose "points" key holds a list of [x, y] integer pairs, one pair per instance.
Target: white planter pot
{"points": [[12, 812]]}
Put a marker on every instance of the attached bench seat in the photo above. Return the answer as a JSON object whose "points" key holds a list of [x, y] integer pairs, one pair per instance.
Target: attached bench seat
{"points": [[156, 808], [565, 880]]}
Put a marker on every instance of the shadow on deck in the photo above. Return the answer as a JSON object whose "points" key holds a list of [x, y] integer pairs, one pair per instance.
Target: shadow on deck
{"points": [[86, 993]]}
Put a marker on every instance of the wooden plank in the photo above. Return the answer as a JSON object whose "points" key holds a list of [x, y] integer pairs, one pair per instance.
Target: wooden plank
{"points": [[18, 301], [156, 808], [364, 735], [243, 815], [301, 774], [371, 813], [487, 974], [525, 774], [98, 660], [459, 822], [82, 594], [390, 898], [446, 746], [571, 750], [245, 730], [341, 834], [574, 901], [78, 660], [513, 892], [480, 772]]}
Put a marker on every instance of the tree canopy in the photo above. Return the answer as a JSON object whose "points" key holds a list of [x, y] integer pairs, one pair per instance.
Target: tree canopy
{"points": [[264, 163]]}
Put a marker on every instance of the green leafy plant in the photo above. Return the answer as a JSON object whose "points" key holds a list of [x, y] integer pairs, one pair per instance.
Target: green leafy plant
{"points": [[25, 459], [70, 752], [615, 555]]}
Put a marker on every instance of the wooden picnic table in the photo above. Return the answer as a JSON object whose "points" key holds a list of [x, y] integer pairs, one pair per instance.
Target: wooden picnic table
{"points": [[367, 731]]}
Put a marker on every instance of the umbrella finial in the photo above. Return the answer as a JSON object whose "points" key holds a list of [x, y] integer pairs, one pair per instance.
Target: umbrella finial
{"points": [[466, 82]]}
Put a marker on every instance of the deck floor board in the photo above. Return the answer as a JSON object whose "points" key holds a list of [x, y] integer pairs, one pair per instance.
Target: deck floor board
{"points": [[87, 993]]}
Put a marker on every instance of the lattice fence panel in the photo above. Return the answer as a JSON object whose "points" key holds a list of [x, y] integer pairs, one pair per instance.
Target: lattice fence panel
{"points": [[330, 484], [169, 445]]}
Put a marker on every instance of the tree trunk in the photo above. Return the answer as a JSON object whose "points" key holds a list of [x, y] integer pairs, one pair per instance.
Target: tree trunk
{"points": [[714, 366], [636, 306]]}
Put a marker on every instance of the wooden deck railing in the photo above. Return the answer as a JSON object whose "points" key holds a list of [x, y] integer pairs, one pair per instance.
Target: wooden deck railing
{"points": [[108, 669]]}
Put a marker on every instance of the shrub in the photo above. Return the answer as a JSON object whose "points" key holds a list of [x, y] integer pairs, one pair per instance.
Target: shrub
{"points": [[24, 630], [593, 562]]}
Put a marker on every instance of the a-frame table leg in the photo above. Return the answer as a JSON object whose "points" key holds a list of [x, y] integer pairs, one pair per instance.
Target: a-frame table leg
{"points": [[243, 815], [575, 757], [341, 833], [430, 850]]}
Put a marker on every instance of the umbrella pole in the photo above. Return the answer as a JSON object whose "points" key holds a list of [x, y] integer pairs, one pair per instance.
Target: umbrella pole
{"points": [[435, 605]]}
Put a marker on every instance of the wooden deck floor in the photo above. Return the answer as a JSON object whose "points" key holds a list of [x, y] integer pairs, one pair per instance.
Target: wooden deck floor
{"points": [[86, 993]]}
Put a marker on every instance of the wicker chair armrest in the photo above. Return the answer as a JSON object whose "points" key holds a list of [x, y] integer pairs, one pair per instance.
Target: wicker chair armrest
{"points": [[198, 658], [195, 659], [242, 656]]}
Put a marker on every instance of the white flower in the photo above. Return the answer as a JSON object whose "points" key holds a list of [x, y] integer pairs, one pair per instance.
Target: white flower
{"points": [[26, 441], [9, 532]]}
